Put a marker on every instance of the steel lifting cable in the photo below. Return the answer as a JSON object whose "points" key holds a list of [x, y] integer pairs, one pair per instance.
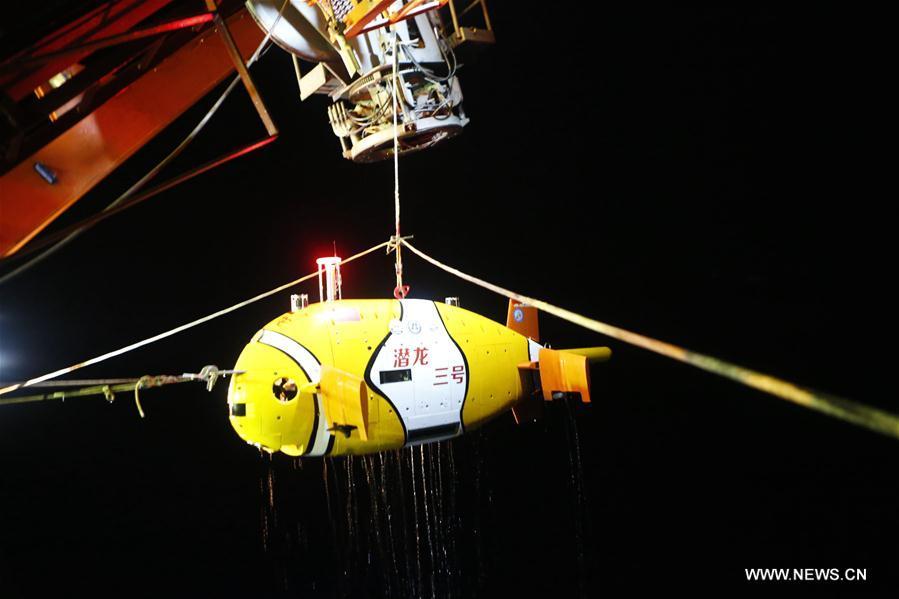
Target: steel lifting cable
{"points": [[78, 383], [109, 387], [176, 330], [107, 390], [837, 407]]}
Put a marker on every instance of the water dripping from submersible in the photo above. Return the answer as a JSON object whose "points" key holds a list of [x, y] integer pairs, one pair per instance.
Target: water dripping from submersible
{"points": [[384, 525], [577, 488], [393, 521], [267, 513]]}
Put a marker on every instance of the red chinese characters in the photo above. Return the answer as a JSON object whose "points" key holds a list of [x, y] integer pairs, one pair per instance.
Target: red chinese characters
{"points": [[421, 356], [402, 356], [442, 375]]}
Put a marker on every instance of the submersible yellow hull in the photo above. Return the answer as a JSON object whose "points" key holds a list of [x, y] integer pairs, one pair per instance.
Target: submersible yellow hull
{"points": [[360, 376]]}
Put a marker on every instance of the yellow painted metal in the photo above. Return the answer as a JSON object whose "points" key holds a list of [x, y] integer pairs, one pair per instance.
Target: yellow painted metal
{"points": [[269, 423], [461, 33], [593, 354], [345, 398], [344, 336], [493, 353], [354, 342], [362, 12]]}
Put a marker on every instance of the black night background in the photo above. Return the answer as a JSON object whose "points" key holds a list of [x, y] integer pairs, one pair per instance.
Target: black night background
{"points": [[696, 175]]}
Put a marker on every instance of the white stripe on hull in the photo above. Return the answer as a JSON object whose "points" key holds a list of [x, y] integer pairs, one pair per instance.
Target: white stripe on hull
{"points": [[310, 364]]}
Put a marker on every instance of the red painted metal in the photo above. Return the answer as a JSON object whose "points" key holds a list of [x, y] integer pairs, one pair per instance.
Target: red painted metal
{"points": [[105, 42], [48, 240], [87, 152], [110, 19]]}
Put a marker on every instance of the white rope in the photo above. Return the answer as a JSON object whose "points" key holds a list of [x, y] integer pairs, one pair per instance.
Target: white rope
{"points": [[175, 331], [837, 407], [396, 137], [400, 290]]}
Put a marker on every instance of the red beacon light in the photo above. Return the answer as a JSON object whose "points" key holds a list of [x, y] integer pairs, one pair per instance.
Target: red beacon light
{"points": [[329, 281]]}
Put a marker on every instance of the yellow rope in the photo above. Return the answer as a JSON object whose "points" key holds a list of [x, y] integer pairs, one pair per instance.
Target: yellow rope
{"points": [[169, 333], [837, 407]]}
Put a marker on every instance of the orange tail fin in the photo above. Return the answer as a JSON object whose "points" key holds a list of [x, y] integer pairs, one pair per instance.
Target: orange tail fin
{"points": [[562, 372], [567, 371], [522, 318]]}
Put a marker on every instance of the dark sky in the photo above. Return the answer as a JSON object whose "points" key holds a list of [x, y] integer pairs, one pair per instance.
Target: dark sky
{"points": [[701, 176]]}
